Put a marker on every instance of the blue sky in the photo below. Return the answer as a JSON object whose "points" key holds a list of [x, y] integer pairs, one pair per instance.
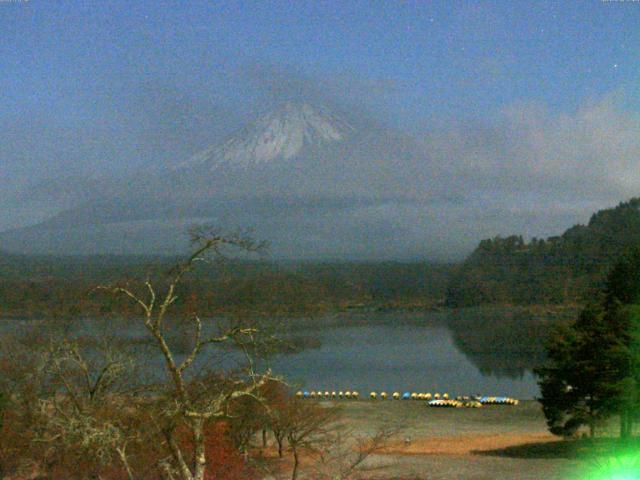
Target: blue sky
{"points": [[432, 58], [103, 87]]}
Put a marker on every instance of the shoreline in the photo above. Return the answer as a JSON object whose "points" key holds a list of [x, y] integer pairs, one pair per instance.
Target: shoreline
{"points": [[322, 311]]}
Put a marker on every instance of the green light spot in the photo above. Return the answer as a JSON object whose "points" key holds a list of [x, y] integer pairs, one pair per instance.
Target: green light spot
{"points": [[624, 467]]}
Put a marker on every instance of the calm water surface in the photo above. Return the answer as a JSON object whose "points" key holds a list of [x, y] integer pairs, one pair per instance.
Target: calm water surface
{"points": [[393, 351], [408, 355]]}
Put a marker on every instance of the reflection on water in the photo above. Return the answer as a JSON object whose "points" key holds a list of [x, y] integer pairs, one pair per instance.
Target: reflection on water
{"points": [[471, 351], [505, 342], [465, 352]]}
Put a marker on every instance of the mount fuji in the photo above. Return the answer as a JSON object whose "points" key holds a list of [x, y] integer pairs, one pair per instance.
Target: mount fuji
{"points": [[276, 136], [315, 181]]}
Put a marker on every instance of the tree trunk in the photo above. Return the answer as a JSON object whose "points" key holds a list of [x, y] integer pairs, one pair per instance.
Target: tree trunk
{"points": [[296, 463], [592, 420], [264, 438], [125, 461], [198, 439], [165, 471], [279, 439], [176, 453], [625, 422]]}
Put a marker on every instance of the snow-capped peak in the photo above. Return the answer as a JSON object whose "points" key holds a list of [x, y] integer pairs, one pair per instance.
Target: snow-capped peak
{"points": [[278, 135]]}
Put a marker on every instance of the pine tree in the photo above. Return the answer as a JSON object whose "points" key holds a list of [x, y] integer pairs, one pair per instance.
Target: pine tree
{"points": [[575, 388], [593, 367]]}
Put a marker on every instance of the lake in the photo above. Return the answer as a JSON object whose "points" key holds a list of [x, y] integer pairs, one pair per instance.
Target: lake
{"points": [[406, 352], [474, 351]]}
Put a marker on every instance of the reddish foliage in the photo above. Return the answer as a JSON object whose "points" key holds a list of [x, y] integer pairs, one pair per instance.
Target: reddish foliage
{"points": [[224, 462], [17, 450], [12, 442]]}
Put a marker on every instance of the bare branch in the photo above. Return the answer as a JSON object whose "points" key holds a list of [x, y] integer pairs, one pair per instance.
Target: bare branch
{"points": [[128, 293], [192, 403], [196, 348]]}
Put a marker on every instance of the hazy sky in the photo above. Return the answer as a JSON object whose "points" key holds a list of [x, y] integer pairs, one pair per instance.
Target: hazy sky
{"points": [[535, 105]]}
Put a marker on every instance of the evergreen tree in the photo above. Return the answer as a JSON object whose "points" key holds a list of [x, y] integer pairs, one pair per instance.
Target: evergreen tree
{"points": [[593, 368], [574, 386], [622, 305]]}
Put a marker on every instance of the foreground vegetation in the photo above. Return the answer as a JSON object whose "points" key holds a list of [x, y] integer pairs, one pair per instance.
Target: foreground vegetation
{"points": [[81, 408]]}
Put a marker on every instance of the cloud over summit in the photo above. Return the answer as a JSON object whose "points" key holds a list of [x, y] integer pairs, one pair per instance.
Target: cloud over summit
{"points": [[525, 169]]}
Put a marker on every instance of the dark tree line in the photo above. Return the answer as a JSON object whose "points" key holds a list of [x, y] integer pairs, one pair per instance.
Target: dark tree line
{"points": [[56, 286], [564, 269]]}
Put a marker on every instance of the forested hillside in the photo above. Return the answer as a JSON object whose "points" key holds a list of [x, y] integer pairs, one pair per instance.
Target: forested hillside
{"points": [[559, 270], [46, 286]]}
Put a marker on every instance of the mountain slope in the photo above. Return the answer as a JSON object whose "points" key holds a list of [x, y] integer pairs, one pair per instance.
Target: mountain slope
{"points": [[278, 135], [563, 269], [306, 177]]}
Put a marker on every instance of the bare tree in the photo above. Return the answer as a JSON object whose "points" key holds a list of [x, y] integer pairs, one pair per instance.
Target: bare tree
{"points": [[23, 379], [316, 432], [306, 424], [70, 406], [90, 409], [246, 417], [345, 455], [191, 400]]}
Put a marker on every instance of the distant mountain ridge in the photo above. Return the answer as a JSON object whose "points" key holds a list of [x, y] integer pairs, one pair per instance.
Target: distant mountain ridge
{"points": [[301, 175], [560, 269]]}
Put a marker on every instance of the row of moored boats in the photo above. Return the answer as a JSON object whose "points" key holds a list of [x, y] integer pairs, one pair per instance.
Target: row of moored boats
{"points": [[435, 400]]}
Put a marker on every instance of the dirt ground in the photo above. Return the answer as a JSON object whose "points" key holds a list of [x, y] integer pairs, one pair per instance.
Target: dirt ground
{"points": [[465, 444], [505, 442]]}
